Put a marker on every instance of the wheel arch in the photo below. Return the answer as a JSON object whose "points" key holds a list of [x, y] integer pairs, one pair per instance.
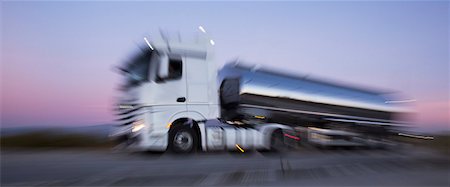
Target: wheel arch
{"points": [[268, 129], [188, 120]]}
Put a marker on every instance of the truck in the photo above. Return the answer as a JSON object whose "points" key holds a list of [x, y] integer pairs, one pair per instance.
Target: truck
{"points": [[173, 98]]}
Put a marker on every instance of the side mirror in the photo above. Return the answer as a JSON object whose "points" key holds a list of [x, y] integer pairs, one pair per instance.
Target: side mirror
{"points": [[163, 71]]}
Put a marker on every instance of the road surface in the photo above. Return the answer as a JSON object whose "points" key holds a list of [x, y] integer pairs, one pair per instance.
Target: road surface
{"points": [[405, 167]]}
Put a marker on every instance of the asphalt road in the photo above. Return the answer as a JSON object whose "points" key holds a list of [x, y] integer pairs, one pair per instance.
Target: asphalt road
{"points": [[405, 167]]}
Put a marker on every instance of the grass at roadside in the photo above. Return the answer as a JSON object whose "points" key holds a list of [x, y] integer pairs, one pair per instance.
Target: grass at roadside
{"points": [[441, 142], [53, 139]]}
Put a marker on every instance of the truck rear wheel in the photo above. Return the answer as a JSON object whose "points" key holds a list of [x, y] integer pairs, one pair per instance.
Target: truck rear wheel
{"points": [[183, 140], [277, 141]]}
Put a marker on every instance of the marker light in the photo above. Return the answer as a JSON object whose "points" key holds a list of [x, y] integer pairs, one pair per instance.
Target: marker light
{"points": [[292, 137], [259, 117], [148, 43], [201, 29], [239, 147]]}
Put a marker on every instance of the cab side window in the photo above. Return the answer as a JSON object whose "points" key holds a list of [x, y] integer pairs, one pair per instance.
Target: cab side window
{"points": [[175, 69]]}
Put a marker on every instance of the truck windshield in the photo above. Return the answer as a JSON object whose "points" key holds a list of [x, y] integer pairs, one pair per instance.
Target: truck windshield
{"points": [[136, 70]]}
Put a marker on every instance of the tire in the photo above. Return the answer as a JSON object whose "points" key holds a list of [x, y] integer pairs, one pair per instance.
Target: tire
{"points": [[183, 140], [277, 142]]}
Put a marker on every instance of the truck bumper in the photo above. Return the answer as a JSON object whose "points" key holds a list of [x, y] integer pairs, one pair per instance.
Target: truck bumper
{"points": [[152, 141]]}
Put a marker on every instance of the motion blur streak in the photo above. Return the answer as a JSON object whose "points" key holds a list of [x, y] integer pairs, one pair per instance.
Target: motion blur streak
{"points": [[417, 136], [402, 101]]}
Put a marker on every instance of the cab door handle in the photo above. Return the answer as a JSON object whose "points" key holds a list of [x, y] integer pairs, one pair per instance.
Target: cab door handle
{"points": [[181, 99]]}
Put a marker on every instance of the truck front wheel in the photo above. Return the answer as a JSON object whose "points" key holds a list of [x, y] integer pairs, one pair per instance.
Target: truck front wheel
{"points": [[183, 140]]}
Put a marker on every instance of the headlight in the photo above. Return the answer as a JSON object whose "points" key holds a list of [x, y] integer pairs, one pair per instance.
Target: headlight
{"points": [[138, 125]]}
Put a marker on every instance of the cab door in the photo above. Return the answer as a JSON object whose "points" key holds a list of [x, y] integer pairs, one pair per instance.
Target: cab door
{"points": [[197, 85], [172, 84]]}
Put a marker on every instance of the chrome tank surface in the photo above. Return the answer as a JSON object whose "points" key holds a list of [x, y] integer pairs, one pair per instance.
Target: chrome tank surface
{"points": [[249, 91]]}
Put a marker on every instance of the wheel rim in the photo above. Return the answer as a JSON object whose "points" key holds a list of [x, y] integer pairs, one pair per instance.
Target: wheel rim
{"points": [[183, 140]]}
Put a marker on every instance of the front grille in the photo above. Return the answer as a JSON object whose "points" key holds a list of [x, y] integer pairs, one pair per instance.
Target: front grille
{"points": [[127, 115]]}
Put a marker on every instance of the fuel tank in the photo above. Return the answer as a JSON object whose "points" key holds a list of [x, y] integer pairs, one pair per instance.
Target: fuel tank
{"points": [[248, 92]]}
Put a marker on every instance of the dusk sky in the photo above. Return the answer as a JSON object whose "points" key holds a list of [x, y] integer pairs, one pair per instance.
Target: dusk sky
{"points": [[57, 57]]}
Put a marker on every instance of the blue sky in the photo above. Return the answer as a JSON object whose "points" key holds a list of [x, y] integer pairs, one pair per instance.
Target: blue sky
{"points": [[57, 56]]}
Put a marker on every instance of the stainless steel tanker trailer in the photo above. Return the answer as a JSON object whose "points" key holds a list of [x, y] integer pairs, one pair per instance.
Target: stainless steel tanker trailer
{"points": [[322, 112]]}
